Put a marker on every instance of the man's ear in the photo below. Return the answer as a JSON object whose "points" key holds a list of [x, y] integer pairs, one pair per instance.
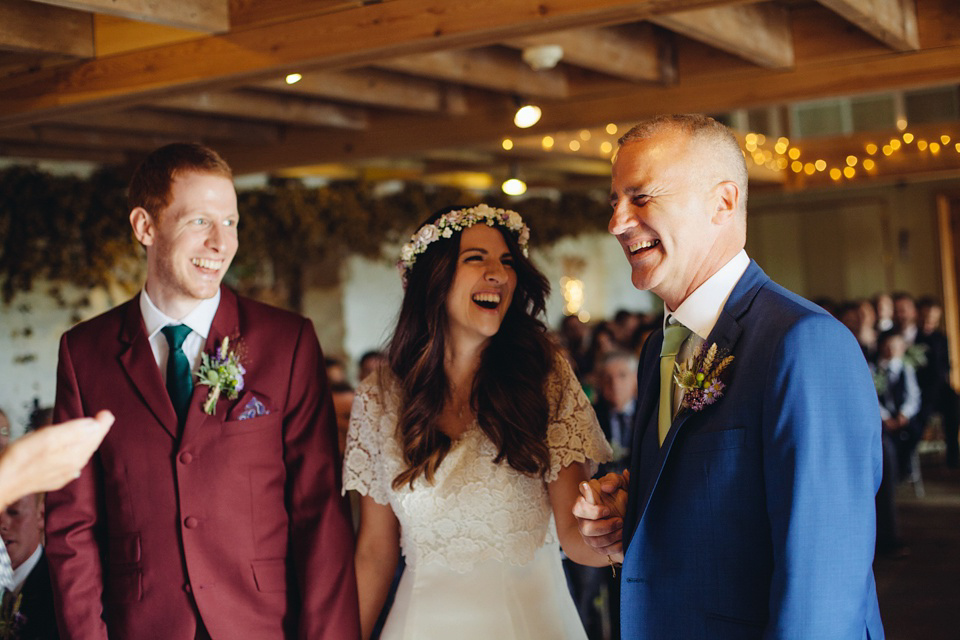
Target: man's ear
{"points": [[144, 226], [727, 201]]}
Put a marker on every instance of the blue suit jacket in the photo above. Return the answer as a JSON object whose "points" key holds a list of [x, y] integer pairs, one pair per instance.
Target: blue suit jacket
{"points": [[755, 519]]}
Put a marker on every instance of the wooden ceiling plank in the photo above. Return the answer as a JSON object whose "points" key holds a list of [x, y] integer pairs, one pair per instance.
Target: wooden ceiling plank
{"points": [[176, 124], [249, 13], [211, 16], [263, 106], [484, 68], [350, 38], [89, 138], [759, 33], [35, 28], [113, 34], [366, 86], [406, 134], [893, 22], [60, 152]]}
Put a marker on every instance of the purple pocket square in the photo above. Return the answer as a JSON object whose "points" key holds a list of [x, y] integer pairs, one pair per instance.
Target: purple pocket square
{"points": [[253, 409]]}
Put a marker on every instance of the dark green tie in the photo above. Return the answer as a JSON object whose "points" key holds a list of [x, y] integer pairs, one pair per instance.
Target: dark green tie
{"points": [[179, 380]]}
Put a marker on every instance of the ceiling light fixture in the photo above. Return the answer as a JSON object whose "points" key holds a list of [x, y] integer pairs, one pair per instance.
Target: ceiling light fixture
{"points": [[514, 187], [293, 78], [527, 116], [542, 57]]}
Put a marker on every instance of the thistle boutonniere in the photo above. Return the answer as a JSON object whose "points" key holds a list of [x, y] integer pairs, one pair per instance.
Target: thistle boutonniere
{"points": [[223, 373], [699, 377], [11, 620]]}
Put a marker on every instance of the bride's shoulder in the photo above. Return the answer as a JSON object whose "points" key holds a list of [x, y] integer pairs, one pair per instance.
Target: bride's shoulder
{"points": [[380, 390]]}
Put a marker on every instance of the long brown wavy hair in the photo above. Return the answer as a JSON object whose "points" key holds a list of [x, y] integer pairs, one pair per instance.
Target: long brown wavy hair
{"points": [[508, 390]]}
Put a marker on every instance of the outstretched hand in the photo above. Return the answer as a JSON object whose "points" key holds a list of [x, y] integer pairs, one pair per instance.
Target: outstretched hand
{"points": [[50, 457], [600, 511]]}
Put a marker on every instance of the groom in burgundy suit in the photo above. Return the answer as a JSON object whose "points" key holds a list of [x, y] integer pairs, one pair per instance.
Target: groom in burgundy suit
{"points": [[200, 516]]}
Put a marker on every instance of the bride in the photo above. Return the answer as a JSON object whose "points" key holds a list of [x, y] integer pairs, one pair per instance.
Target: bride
{"points": [[469, 447]]}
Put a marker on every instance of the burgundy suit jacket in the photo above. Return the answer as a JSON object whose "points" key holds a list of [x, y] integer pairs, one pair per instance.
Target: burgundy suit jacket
{"points": [[241, 517]]}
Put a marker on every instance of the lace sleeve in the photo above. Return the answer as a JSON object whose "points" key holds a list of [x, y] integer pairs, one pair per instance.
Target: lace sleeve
{"points": [[573, 435], [363, 463]]}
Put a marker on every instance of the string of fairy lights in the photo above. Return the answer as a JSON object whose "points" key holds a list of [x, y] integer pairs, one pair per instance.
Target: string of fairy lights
{"points": [[777, 154]]}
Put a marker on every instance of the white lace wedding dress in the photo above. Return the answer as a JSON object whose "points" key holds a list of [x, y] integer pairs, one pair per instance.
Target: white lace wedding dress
{"points": [[483, 561]]}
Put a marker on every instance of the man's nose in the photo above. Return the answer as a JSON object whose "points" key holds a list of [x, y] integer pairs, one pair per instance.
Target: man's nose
{"points": [[621, 219]]}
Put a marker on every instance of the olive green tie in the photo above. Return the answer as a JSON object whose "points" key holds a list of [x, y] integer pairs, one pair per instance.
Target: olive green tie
{"points": [[179, 380], [673, 337]]}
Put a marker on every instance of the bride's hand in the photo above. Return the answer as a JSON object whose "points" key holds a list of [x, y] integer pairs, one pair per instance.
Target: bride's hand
{"points": [[600, 510]]}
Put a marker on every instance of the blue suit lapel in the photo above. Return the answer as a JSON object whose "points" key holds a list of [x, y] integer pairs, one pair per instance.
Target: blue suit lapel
{"points": [[725, 334]]}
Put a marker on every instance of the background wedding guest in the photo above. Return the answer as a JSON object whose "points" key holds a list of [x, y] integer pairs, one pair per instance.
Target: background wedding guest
{"points": [[21, 529], [940, 399], [596, 590], [5, 430], [369, 362], [336, 369], [883, 304]]}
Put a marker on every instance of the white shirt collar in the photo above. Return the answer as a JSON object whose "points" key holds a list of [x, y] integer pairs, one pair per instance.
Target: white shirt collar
{"points": [[20, 573], [199, 320], [702, 308]]}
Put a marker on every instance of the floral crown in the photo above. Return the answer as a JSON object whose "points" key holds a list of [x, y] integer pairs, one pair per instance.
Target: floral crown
{"points": [[458, 220]]}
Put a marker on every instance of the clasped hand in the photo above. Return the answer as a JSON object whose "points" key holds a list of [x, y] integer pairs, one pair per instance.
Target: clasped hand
{"points": [[600, 511]]}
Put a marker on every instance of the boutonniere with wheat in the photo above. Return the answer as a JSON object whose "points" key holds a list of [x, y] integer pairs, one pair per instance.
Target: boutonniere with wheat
{"points": [[699, 376], [223, 373]]}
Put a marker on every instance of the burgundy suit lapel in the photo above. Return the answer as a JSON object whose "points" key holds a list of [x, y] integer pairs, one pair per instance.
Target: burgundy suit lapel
{"points": [[141, 366], [226, 324]]}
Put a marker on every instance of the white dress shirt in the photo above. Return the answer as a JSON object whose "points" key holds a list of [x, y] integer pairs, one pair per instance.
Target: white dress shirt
{"points": [[20, 573], [701, 309], [199, 320], [6, 572]]}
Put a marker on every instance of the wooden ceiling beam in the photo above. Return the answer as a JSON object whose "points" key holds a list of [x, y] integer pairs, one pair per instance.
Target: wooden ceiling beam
{"points": [[57, 135], [211, 16], [716, 93], [893, 22], [186, 126], [634, 53], [367, 86], [494, 69], [759, 33], [250, 13], [260, 105], [350, 38], [59, 152], [35, 28]]}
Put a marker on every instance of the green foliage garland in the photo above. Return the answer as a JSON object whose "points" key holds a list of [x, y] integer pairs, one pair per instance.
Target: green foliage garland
{"points": [[75, 230]]}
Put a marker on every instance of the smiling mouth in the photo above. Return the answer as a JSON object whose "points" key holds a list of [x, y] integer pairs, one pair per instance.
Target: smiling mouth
{"points": [[487, 300], [206, 263], [639, 246]]}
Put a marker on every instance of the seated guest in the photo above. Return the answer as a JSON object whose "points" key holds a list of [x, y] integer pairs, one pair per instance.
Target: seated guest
{"points": [[21, 528]]}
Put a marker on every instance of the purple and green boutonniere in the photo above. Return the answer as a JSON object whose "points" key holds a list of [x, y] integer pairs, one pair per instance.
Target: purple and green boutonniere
{"points": [[223, 373], [699, 377]]}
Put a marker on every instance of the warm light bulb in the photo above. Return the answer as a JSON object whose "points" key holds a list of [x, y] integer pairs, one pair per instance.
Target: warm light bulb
{"points": [[895, 144], [901, 124], [574, 145], [612, 129], [849, 172], [809, 168], [887, 149], [871, 148], [851, 161], [794, 153], [547, 142], [797, 166], [945, 139], [908, 137], [584, 134], [293, 78], [869, 164], [835, 173], [934, 147], [514, 187], [922, 145], [820, 165], [527, 116], [606, 147], [507, 144]]}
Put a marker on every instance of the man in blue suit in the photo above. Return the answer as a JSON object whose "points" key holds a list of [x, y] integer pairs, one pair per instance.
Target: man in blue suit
{"points": [[750, 503]]}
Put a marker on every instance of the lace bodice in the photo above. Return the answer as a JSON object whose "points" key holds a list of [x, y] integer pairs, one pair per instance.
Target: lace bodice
{"points": [[474, 510]]}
